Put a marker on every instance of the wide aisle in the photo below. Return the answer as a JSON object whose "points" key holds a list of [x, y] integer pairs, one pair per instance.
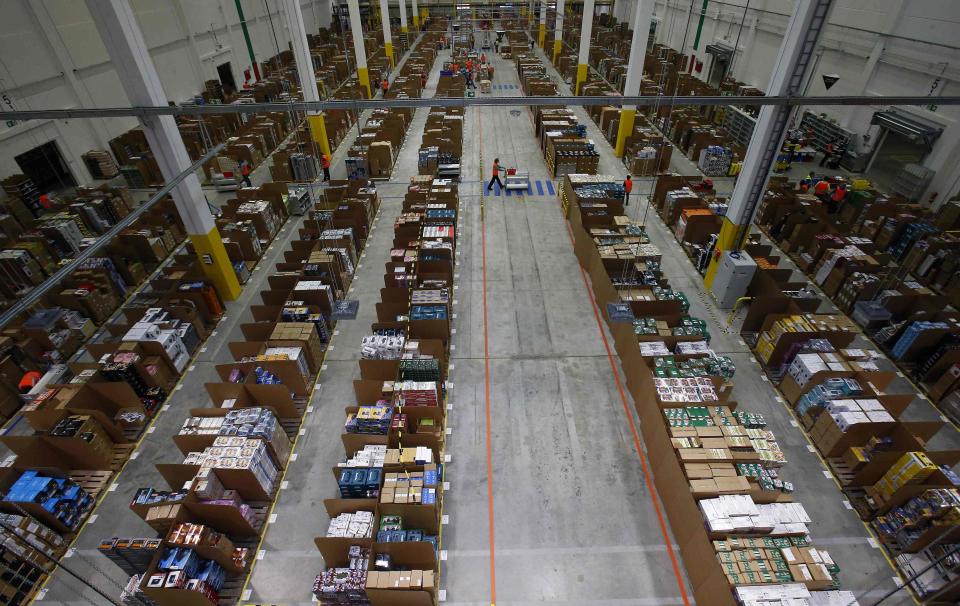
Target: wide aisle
{"points": [[573, 511]]}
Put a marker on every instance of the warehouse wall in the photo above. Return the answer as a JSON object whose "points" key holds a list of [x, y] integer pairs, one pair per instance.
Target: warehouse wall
{"points": [[51, 57], [877, 47]]}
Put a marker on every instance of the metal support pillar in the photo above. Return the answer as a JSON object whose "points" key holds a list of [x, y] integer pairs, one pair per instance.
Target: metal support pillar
{"points": [[642, 18], [415, 15], [308, 78], [804, 29], [124, 42], [558, 33], [387, 38], [586, 32], [403, 16], [356, 30], [542, 32]]}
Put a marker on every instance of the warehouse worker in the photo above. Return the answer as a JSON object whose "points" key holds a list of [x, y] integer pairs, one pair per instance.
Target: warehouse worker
{"points": [[627, 188], [804, 185], [827, 153], [245, 173], [483, 57], [470, 67], [837, 197], [386, 86], [821, 189], [325, 164], [496, 175]]}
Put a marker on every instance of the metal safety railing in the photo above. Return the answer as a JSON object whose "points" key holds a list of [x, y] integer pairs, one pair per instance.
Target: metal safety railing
{"points": [[38, 291]]}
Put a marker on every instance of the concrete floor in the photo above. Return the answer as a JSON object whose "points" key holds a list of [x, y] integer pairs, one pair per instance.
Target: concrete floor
{"points": [[574, 520]]}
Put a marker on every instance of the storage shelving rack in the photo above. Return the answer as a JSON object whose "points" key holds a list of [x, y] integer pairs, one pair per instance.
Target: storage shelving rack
{"points": [[912, 180], [739, 124], [825, 131]]}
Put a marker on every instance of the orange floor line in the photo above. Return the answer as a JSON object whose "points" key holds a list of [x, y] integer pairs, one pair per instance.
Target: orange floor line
{"points": [[486, 380], [633, 432]]}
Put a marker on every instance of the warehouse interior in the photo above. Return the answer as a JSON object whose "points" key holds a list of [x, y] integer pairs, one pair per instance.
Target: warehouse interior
{"points": [[614, 302]]}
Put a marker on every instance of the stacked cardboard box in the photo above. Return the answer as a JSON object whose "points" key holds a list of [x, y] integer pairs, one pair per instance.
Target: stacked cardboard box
{"points": [[911, 468]]}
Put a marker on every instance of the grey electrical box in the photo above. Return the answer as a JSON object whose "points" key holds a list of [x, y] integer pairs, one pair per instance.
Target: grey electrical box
{"points": [[733, 277]]}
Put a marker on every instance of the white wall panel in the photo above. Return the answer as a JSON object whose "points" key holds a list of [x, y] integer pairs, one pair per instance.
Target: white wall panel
{"points": [[158, 22], [24, 56]]}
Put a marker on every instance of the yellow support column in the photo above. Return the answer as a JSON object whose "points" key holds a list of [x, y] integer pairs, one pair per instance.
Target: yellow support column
{"points": [[557, 47], [542, 36], [318, 132], [581, 77], [403, 29], [727, 240], [388, 48], [364, 77], [216, 264], [416, 21], [626, 128]]}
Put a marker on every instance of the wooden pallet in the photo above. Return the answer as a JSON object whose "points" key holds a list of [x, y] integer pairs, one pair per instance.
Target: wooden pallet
{"points": [[841, 470], [858, 499], [292, 426], [230, 593], [121, 452], [92, 481], [132, 434]]}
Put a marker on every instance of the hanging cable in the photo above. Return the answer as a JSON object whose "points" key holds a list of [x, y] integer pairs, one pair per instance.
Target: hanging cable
{"points": [[276, 41], [736, 45]]}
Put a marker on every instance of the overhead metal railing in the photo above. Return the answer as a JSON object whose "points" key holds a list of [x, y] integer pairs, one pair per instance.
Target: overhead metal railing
{"points": [[38, 291], [362, 104]]}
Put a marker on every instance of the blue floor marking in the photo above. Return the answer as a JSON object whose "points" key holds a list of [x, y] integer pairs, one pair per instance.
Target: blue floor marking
{"points": [[539, 188], [550, 188]]}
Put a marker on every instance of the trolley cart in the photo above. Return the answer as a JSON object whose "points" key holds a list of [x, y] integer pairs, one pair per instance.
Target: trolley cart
{"points": [[517, 179]]}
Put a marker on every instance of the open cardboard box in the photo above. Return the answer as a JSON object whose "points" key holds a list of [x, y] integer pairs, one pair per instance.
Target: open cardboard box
{"points": [[873, 382], [9, 475], [155, 368], [188, 443], [251, 395], [286, 370], [100, 400], [905, 436]]}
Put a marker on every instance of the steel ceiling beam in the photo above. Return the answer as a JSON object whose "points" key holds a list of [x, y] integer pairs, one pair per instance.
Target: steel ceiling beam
{"points": [[364, 104]]}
